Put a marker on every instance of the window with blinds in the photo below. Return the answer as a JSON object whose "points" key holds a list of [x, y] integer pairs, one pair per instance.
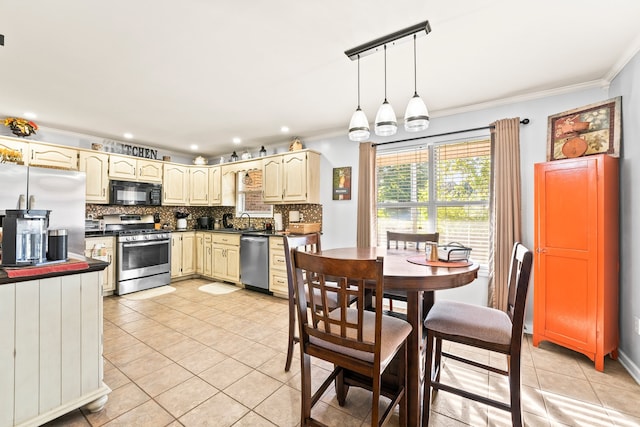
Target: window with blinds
{"points": [[444, 188]]}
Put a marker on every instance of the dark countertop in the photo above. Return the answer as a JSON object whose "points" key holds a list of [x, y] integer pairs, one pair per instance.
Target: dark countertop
{"points": [[237, 231], [94, 265]]}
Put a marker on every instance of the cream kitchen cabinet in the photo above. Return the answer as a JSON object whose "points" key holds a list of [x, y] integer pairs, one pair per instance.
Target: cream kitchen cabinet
{"points": [[204, 254], [132, 169], [199, 252], [222, 186], [207, 259], [102, 248], [96, 166], [175, 185], [292, 178], [13, 144], [199, 186], [52, 156], [183, 247], [226, 256], [272, 179], [277, 268]]}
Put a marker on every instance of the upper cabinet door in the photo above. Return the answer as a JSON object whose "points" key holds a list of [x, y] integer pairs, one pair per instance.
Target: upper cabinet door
{"points": [[121, 167], [149, 171], [199, 186], [215, 186], [294, 176], [96, 166], [175, 185], [56, 157], [272, 179]]}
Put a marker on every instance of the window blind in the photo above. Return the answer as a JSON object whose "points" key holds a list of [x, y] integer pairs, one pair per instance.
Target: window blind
{"points": [[444, 188]]}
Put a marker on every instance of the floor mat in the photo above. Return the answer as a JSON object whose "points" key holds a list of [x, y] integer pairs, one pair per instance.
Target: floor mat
{"points": [[149, 293], [218, 288]]}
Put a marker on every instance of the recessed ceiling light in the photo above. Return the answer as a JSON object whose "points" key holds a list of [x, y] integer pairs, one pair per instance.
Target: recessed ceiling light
{"points": [[30, 115], [236, 140], [284, 129], [193, 146], [128, 135]]}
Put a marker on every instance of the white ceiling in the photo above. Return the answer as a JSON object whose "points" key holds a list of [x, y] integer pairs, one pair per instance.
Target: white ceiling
{"points": [[176, 73]]}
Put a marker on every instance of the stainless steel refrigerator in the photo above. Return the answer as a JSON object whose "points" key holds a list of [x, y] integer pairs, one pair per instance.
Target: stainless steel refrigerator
{"points": [[60, 191]]}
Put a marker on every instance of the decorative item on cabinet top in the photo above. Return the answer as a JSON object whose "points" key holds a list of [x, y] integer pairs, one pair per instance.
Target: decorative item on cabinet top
{"points": [[200, 161], [21, 127], [296, 144]]}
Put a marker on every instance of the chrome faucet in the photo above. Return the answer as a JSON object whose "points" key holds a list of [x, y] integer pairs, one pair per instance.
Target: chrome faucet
{"points": [[244, 213]]}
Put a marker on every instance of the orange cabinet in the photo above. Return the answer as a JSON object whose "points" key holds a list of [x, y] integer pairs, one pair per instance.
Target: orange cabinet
{"points": [[577, 260]]}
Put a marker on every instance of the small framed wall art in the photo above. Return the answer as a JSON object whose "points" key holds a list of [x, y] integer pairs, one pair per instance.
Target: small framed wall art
{"points": [[342, 183], [592, 129]]}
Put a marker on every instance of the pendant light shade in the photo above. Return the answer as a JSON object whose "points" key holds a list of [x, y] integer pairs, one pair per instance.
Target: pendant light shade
{"points": [[416, 117], [359, 125], [386, 123]]}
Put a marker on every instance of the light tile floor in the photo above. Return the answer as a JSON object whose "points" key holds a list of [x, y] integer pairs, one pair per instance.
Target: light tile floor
{"points": [[195, 359]]}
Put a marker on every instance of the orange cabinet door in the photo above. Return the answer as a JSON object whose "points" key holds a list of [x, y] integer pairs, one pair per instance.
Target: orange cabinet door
{"points": [[576, 260]]}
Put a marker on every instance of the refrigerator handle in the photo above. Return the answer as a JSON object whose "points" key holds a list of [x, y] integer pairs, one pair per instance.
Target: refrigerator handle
{"points": [[22, 202], [32, 202]]}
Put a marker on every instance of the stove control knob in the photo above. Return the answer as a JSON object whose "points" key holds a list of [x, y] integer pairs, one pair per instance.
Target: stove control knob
{"points": [[146, 237]]}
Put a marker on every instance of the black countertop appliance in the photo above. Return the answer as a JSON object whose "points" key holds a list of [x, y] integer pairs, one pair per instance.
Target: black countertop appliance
{"points": [[226, 220], [204, 223]]}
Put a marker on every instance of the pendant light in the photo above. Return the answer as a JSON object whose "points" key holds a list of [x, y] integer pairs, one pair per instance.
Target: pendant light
{"points": [[416, 117], [386, 123], [359, 125]]}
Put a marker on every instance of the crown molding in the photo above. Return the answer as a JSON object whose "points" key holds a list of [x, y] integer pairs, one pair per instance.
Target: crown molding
{"points": [[627, 56], [599, 84]]}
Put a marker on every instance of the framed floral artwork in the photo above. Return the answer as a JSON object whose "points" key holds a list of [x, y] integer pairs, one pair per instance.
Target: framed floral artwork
{"points": [[592, 129], [342, 183]]}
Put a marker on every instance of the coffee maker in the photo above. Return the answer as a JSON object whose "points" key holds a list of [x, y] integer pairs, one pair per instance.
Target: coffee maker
{"points": [[24, 237]]}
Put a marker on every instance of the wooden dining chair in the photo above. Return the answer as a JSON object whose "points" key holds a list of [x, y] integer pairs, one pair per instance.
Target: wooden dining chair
{"points": [[414, 239], [482, 327], [401, 238], [310, 243], [360, 344]]}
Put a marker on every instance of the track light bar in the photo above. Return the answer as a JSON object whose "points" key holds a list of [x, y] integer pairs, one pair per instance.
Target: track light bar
{"points": [[390, 39]]}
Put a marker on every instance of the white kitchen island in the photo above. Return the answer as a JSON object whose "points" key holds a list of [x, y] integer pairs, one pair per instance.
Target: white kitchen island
{"points": [[51, 345]]}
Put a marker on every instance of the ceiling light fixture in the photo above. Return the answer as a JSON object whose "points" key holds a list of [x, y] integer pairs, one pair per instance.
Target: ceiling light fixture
{"points": [[30, 115], [284, 129], [193, 147], [416, 116], [236, 140], [359, 125], [386, 123], [128, 135]]}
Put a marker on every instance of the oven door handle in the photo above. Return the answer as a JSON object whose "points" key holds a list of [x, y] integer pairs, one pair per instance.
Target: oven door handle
{"points": [[138, 244]]}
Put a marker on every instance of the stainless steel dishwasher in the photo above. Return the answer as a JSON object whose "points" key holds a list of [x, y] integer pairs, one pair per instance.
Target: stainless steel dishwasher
{"points": [[254, 262]]}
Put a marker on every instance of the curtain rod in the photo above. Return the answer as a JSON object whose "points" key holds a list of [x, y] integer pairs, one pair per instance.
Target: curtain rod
{"points": [[523, 121]]}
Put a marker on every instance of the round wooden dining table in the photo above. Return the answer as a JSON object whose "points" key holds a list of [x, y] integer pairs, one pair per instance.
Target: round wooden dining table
{"points": [[419, 282]]}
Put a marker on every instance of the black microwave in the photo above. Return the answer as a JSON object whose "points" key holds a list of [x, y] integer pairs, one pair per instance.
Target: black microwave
{"points": [[134, 193]]}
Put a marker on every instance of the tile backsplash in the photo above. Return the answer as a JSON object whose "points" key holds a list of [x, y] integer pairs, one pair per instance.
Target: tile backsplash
{"points": [[309, 213]]}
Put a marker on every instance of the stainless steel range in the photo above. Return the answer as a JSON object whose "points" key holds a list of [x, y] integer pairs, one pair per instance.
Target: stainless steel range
{"points": [[143, 254]]}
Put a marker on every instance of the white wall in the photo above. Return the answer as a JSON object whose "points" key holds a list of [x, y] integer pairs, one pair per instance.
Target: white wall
{"points": [[626, 85]]}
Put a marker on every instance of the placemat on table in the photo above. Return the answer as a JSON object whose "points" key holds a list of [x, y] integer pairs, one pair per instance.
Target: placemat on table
{"points": [[421, 260]]}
